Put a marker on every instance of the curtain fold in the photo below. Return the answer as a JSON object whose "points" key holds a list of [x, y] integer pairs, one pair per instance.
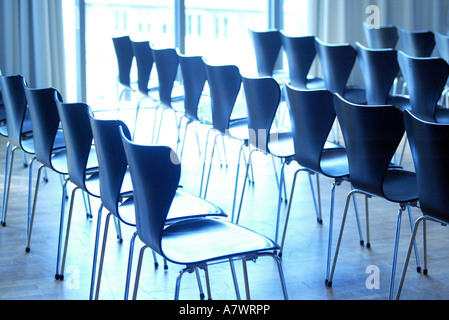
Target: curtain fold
{"points": [[32, 42]]}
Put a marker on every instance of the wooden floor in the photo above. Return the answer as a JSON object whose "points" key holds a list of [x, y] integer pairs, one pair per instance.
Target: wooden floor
{"points": [[31, 275]]}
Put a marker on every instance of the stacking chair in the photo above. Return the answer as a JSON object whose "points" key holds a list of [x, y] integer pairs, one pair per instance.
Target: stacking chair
{"points": [[312, 115], [262, 99], [49, 142], [267, 48], [429, 143], [82, 166], [337, 62], [195, 242], [384, 37], [417, 43], [426, 78], [116, 190], [301, 53], [442, 43], [19, 129], [228, 117], [171, 91], [196, 98], [146, 86], [379, 69], [125, 57], [372, 135]]}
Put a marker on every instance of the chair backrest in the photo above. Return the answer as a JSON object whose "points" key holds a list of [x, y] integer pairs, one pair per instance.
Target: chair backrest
{"points": [[301, 53], [111, 160], [144, 62], [426, 79], [312, 115], [442, 43], [418, 43], [78, 138], [384, 37], [124, 53], [15, 106], [45, 120], [194, 78], [379, 68], [262, 99], [429, 143], [225, 83], [337, 62], [372, 135], [267, 47], [167, 63], [155, 176]]}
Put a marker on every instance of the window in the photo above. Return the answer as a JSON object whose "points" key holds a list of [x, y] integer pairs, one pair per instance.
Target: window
{"points": [[296, 17], [222, 26], [140, 19], [215, 29]]}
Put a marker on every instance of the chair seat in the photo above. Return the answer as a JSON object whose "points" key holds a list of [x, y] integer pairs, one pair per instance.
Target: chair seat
{"points": [[442, 115], [238, 129], [355, 95], [281, 144], [400, 102], [315, 83], [4, 130], [183, 205], [27, 125], [334, 162], [188, 242], [400, 186], [28, 145]]}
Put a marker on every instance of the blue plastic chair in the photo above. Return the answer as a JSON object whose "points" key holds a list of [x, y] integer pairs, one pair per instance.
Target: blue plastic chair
{"points": [[195, 243]]}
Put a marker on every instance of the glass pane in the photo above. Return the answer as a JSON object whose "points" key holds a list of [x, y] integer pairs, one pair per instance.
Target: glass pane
{"points": [[140, 19], [70, 28], [296, 17], [218, 30]]}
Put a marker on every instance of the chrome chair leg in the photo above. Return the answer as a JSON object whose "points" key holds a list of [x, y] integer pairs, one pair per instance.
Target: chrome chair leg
{"points": [[315, 195], [328, 281], [368, 242], [139, 267], [61, 228], [356, 211], [409, 252], [244, 185], [236, 181], [245, 274], [425, 246], [130, 259], [95, 255], [234, 278], [281, 186], [32, 209], [8, 173], [210, 166], [69, 222], [87, 205], [204, 163], [200, 286], [331, 226], [418, 264], [103, 249], [395, 253]]}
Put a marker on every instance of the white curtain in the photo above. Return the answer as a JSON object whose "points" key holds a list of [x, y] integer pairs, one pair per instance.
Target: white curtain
{"points": [[341, 21], [31, 42]]}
